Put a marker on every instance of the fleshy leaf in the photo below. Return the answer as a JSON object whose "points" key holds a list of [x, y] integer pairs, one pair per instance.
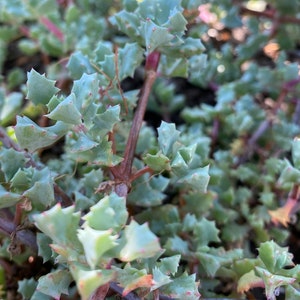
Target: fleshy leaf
{"points": [[292, 293], [183, 287], [127, 23], [40, 89], [148, 191], [66, 111], [104, 122], [55, 283], [11, 106], [177, 244], [167, 136], [197, 179], [32, 137], [7, 198], [169, 265], [130, 57], [289, 174], [43, 242], [79, 64], [11, 160], [205, 232], [99, 155], [86, 92], [27, 287], [273, 282], [283, 214], [131, 279], [109, 213], [83, 143], [155, 35], [248, 281], [95, 243], [88, 281], [159, 278], [275, 257], [163, 269], [41, 193], [60, 224], [159, 10], [157, 162], [140, 242], [211, 263]]}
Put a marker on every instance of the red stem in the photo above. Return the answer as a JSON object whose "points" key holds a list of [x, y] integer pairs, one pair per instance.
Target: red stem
{"points": [[123, 171], [52, 28]]}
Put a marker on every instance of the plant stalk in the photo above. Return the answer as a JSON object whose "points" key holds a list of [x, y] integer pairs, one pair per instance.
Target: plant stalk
{"points": [[122, 173]]}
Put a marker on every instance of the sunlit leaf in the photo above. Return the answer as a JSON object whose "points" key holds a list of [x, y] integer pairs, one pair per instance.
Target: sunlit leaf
{"points": [[139, 241]]}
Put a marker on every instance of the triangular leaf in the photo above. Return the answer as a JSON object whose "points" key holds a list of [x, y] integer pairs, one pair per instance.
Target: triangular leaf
{"points": [[88, 281], [40, 89], [130, 57], [11, 160], [205, 232], [8, 199], [32, 137], [148, 191], [66, 111], [60, 224], [167, 136], [157, 162], [55, 283], [139, 241], [43, 242], [95, 243], [108, 213], [275, 257], [284, 214], [41, 193], [197, 179], [104, 122], [79, 64], [131, 279], [183, 287], [248, 281], [82, 143], [159, 278], [273, 282], [27, 287]]}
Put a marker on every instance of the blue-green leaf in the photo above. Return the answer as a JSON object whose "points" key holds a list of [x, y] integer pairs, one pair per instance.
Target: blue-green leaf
{"points": [[66, 111], [33, 137], [197, 179], [88, 281], [79, 64], [60, 224], [96, 243], [55, 283], [139, 241], [109, 213], [40, 89], [167, 136], [183, 287], [41, 194], [11, 160], [7, 198]]}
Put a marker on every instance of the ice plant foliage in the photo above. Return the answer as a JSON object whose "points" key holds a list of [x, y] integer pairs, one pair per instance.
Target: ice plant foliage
{"points": [[107, 202]]}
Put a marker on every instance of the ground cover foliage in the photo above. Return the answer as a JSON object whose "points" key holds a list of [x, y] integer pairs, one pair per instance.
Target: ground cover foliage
{"points": [[149, 149]]}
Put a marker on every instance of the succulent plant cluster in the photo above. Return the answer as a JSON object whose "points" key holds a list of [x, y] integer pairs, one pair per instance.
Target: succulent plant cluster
{"points": [[106, 204]]}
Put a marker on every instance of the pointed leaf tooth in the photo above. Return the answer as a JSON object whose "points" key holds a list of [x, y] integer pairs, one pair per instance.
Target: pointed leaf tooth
{"points": [[40, 89]]}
